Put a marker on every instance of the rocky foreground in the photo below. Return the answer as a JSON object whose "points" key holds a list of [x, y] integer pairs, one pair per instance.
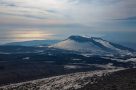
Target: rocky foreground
{"points": [[120, 79], [64, 82]]}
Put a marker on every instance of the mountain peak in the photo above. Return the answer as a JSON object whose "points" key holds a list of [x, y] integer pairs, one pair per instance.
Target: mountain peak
{"points": [[79, 38], [83, 38], [76, 36], [97, 38]]}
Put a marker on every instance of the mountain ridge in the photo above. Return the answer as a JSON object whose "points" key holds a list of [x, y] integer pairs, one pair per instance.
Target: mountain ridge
{"points": [[33, 43]]}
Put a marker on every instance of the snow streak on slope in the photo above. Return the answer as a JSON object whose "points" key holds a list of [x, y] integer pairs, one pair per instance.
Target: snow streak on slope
{"points": [[106, 44], [63, 82], [111, 47]]}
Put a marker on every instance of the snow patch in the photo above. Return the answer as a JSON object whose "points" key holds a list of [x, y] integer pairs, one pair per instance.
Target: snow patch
{"points": [[72, 66], [26, 58], [76, 59], [128, 60]]}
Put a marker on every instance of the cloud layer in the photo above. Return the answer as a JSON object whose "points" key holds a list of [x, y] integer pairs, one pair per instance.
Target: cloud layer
{"points": [[65, 17]]}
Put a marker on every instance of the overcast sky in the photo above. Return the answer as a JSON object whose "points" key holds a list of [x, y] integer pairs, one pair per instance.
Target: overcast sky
{"points": [[56, 19]]}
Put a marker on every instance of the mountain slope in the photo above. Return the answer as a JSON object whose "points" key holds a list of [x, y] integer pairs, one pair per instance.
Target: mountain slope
{"points": [[95, 80], [62, 82], [93, 45], [121, 80]]}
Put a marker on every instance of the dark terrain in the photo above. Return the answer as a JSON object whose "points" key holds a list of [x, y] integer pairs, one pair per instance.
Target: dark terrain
{"points": [[19, 63], [121, 80]]}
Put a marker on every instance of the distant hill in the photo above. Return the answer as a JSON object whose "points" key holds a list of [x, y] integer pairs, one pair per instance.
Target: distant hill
{"points": [[128, 44], [33, 43]]}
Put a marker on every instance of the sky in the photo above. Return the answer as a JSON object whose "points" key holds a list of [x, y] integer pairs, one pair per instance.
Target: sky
{"points": [[22, 20]]}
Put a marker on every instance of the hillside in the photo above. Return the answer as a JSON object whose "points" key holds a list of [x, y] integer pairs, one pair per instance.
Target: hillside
{"points": [[121, 80], [62, 82], [96, 80]]}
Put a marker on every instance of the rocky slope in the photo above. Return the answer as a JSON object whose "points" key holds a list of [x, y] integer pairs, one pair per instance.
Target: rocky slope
{"points": [[121, 80], [96, 80], [63, 82]]}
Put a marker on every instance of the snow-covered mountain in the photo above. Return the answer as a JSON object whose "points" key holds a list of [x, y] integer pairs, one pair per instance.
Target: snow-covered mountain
{"points": [[33, 43], [92, 45]]}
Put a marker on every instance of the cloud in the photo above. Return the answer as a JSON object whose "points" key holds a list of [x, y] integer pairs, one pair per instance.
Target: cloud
{"points": [[100, 11], [128, 18], [40, 9], [79, 11], [67, 17]]}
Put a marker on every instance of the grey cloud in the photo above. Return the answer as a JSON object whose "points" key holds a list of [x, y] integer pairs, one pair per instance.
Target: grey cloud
{"points": [[102, 2], [19, 9], [128, 18]]}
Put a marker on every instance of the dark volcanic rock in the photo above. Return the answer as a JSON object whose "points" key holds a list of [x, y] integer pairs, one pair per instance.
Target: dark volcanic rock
{"points": [[121, 80]]}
